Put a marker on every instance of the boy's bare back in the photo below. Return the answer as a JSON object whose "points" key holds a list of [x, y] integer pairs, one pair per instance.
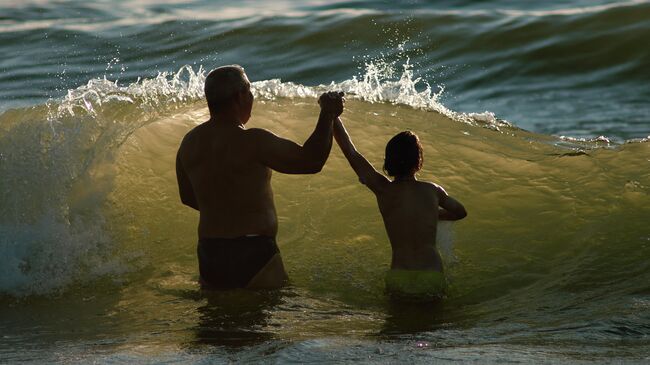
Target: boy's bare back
{"points": [[410, 212]]}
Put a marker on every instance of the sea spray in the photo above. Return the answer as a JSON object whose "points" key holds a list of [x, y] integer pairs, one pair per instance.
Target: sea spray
{"points": [[445, 242], [381, 82]]}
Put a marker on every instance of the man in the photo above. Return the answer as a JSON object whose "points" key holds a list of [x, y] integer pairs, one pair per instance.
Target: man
{"points": [[224, 171]]}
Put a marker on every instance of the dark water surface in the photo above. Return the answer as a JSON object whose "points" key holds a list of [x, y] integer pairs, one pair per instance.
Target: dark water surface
{"points": [[575, 68]]}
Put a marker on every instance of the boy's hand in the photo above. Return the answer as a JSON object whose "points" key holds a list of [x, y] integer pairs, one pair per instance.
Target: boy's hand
{"points": [[332, 102]]}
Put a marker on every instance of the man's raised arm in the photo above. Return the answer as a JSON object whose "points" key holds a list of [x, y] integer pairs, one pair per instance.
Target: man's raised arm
{"points": [[289, 157]]}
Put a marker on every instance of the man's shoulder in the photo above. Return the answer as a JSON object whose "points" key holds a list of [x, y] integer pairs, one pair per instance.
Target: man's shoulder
{"points": [[191, 144], [260, 137], [258, 133], [193, 134]]}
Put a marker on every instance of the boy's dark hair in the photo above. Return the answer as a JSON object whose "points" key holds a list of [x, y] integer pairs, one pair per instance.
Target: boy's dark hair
{"points": [[403, 155]]}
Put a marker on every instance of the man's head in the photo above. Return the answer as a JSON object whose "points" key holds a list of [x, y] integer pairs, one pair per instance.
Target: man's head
{"points": [[227, 89], [403, 155]]}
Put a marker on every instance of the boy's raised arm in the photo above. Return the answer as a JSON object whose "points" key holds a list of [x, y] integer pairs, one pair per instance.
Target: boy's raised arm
{"points": [[366, 172]]}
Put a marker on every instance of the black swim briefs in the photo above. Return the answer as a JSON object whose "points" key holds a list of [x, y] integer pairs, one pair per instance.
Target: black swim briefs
{"points": [[233, 262]]}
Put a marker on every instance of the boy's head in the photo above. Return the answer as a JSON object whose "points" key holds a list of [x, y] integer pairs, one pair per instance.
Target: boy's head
{"points": [[403, 155]]}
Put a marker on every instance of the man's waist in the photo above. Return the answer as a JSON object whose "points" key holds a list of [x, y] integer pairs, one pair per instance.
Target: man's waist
{"points": [[236, 237], [225, 245], [217, 227]]}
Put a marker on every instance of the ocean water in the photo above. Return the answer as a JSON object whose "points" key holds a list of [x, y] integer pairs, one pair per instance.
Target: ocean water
{"points": [[536, 116]]}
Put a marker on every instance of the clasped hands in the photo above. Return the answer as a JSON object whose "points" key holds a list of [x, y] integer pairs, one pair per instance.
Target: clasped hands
{"points": [[332, 102]]}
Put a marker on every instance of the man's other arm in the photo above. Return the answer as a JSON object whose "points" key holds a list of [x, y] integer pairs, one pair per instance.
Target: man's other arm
{"points": [[184, 185]]}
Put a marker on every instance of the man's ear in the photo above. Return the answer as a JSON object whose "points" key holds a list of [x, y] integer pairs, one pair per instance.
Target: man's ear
{"points": [[239, 97]]}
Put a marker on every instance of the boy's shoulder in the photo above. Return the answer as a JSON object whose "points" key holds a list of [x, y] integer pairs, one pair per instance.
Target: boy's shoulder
{"points": [[431, 184], [437, 188]]}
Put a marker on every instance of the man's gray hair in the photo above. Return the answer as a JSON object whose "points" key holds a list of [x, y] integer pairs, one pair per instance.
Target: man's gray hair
{"points": [[222, 84]]}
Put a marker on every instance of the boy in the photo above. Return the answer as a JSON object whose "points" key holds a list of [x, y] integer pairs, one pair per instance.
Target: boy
{"points": [[410, 209]]}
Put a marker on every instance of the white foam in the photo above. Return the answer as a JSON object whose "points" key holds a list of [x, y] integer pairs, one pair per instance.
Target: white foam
{"points": [[50, 254], [166, 88], [602, 139], [445, 242], [572, 11], [380, 82]]}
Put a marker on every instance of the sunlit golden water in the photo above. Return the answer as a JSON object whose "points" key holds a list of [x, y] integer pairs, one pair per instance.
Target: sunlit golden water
{"points": [[553, 252]]}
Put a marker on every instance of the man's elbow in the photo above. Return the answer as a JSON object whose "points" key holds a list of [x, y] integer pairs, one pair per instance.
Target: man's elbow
{"points": [[461, 214], [315, 164], [314, 167]]}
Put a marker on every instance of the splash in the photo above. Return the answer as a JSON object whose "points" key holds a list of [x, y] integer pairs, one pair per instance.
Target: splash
{"points": [[56, 172], [381, 82], [166, 88], [50, 254]]}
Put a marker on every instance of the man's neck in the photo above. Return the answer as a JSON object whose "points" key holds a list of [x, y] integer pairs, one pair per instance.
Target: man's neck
{"points": [[226, 120]]}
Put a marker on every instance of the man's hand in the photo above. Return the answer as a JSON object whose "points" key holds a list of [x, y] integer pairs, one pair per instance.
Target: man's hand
{"points": [[332, 103]]}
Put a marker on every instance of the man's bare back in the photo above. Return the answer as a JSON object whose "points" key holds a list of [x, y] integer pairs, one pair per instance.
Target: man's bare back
{"points": [[231, 186], [224, 171]]}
